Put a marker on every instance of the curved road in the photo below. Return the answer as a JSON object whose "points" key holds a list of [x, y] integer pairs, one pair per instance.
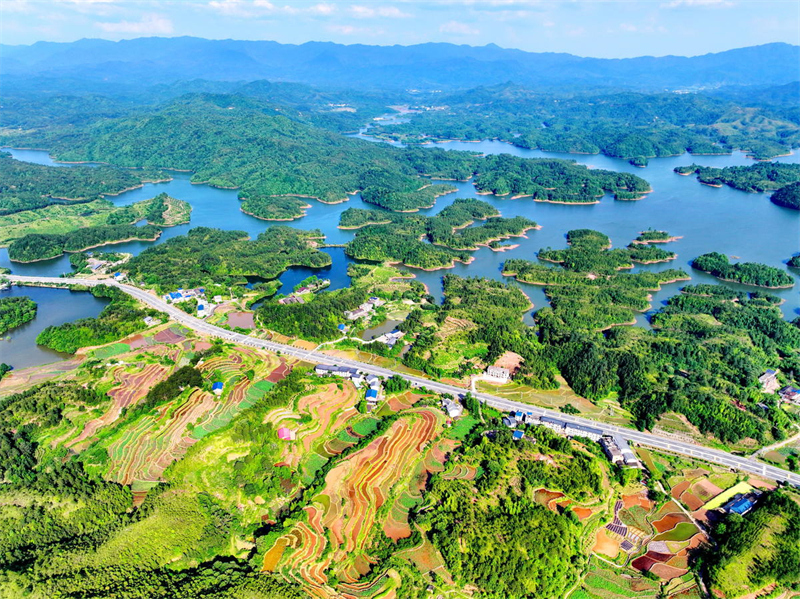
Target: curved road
{"points": [[715, 456]]}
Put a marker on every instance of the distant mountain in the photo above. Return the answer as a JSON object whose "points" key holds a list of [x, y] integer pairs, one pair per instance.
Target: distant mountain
{"points": [[425, 66]]}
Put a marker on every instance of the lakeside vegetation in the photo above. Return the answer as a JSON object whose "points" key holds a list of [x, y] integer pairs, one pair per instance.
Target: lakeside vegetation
{"points": [[758, 177], [618, 124], [28, 186], [211, 256], [120, 318], [61, 219], [35, 246], [428, 242], [15, 311], [747, 273], [787, 196], [273, 208]]}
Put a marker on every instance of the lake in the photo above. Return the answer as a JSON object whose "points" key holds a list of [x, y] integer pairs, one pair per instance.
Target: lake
{"points": [[56, 306], [733, 222]]}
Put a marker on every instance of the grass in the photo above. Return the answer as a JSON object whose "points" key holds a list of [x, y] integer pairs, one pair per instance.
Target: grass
{"points": [[682, 532], [461, 427], [365, 427], [636, 516], [109, 351], [727, 495]]}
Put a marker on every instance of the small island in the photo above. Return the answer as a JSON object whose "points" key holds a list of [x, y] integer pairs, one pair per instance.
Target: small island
{"points": [[747, 273], [274, 208], [653, 236], [16, 311], [794, 261]]}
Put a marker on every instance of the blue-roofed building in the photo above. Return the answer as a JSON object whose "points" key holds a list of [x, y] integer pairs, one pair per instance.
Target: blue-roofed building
{"points": [[741, 506], [341, 327], [217, 388], [518, 435], [372, 394]]}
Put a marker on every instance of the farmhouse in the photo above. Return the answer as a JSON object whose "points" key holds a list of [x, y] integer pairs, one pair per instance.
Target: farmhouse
{"points": [[498, 373], [769, 381], [453, 408], [343, 371], [518, 435], [790, 393], [217, 388]]}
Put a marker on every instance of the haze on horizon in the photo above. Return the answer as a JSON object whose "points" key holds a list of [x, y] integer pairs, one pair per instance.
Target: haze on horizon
{"points": [[586, 28]]}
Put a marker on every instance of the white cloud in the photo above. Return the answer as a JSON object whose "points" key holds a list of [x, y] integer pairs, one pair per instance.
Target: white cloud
{"points": [[10, 6], [369, 12], [255, 8], [149, 24], [695, 3], [458, 28], [352, 30]]}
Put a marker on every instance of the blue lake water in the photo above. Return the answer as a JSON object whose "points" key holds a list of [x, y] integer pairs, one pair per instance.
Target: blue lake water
{"points": [[745, 225]]}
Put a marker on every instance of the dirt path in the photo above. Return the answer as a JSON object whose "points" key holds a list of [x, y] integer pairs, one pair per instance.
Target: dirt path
{"points": [[769, 448]]}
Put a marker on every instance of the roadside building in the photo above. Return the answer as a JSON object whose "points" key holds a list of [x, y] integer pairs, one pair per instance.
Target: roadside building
{"points": [[769, 381], [453, 408], [342, 371], [498, 373]]}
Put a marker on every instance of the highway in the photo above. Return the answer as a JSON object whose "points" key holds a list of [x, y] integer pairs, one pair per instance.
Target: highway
{"points": [[715, 456]]}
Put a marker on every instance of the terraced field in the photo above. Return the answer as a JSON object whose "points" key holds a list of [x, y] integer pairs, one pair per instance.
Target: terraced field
{"points": [[333, 539]]}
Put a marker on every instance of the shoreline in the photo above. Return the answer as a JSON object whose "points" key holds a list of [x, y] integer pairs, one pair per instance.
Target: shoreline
{"points": [[452, 264], [649, 241], [367, 224], [746, 284], [304, 212], [90, 247]]}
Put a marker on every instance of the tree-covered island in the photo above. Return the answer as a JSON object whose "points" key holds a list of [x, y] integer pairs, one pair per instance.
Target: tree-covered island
{"points": [[15, 311], [748, 273]]}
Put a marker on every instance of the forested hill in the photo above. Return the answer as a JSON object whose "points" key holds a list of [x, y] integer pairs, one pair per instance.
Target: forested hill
{"points": [[619, 124], [432, 65], [238, 142]]}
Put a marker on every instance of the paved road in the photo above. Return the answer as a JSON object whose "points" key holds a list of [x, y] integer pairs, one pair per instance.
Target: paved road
{"points": [[722, 458]]}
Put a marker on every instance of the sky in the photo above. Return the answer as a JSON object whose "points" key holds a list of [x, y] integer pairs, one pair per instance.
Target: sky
{"points": [[584, 27]]}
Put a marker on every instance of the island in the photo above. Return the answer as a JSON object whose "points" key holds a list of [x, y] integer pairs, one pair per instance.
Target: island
{"points": [[587, 291], [653, 236], [35, 247], [273, 208], [758, 177], [747, 273], [16, 311], [429, 243]]}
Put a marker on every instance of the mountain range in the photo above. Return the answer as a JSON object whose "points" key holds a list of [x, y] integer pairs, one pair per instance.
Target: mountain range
{"points": [[428, 67]]}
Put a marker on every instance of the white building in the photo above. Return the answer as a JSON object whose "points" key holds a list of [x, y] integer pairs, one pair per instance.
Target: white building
{"points": [[498, 373]]}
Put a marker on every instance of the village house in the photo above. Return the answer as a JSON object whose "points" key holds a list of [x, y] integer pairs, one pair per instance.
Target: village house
{"points": [[286, 434], [498, 373], [217, 388], [789, 393], [342, 371], [769, 381], [453, 408]]}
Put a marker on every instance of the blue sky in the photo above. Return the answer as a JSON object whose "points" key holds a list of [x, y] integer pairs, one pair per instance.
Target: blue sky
{"points": [[583, 27]]}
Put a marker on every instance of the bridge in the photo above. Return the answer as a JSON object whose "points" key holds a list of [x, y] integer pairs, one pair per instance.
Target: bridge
{"points": [[715, 456]]}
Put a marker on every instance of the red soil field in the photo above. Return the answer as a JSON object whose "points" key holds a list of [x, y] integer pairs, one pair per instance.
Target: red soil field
{"points": [[692, 501], [706, 490], [168, 336], [631, 500], [136, 341], [678, 489], [669, 522], [202, 345], [582, 512], [132, 388], [667, 572], [280, 373]]}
